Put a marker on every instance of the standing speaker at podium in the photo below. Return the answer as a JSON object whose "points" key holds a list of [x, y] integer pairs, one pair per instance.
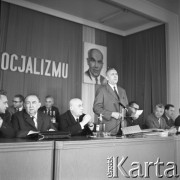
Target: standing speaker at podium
{"points": [[108, 100]]}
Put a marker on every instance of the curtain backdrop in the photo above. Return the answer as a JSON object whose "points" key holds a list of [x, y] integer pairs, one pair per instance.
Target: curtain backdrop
{"points": [[140, 60], [30, 33], [144, 68]]}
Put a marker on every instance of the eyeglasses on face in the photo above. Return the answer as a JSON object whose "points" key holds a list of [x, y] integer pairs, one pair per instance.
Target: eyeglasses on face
{"points": [[16, 101]]}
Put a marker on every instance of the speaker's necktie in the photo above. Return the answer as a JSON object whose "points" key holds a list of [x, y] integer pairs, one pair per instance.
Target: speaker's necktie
{"points": [[116, 92]]}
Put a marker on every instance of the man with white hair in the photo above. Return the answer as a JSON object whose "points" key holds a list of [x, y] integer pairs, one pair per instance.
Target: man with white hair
{"points": [[75, 121]]}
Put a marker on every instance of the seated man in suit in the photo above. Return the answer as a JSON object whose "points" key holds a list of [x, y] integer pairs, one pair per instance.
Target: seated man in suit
{"points": [[30, 120], [155, 119], [6, 129], [49, 109], [18, 104], [169, 114], [75, 121], [177, 120], [132, 115]]}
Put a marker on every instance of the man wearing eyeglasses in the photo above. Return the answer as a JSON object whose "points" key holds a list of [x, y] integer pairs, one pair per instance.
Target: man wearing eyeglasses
{"points": [[18, 104], [133, 113], [95, 63]]}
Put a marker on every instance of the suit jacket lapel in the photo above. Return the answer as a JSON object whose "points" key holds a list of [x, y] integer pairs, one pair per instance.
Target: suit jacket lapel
{"points": [[110, 90], [29, 120], [71, 117], [121, 95]]}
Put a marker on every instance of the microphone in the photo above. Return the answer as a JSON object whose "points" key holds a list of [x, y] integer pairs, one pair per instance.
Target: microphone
{"points": [[123, 106]]}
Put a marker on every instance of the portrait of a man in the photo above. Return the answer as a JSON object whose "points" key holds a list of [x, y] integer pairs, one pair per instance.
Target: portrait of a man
{"points": [[95, 60]]}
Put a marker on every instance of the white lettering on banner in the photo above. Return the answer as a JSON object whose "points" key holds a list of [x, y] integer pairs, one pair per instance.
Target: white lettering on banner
{"points": [[25, 64], [13, 57], [5, 61], [35, 67], [47, 67], [22, 68]]}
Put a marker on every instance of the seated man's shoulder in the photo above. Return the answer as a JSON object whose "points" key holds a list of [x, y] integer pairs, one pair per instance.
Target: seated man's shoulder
{"points": [[40, 113], [177, 121], [149, 117], [19, 113], [11, 109], [42, 108], [6, 116], [65, 114]]}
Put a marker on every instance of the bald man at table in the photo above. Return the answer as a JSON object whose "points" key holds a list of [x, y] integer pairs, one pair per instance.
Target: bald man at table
{"points": [[75, 121]]}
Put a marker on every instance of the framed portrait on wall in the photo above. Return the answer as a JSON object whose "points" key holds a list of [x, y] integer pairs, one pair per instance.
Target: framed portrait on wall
{"points": [[95, 63]]}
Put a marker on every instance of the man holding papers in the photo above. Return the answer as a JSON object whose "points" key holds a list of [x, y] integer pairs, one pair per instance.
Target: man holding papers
{"points": [[133, 114]]}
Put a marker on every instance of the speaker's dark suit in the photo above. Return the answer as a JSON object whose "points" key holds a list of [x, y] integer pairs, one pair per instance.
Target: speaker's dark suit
{"points": [[68, 123], [6, 129], [23, 123], [107, 102]]}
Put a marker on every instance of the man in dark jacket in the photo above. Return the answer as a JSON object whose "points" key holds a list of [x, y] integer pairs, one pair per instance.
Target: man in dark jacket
{"points": [[75, 121], [30, 120], [6, 129]]}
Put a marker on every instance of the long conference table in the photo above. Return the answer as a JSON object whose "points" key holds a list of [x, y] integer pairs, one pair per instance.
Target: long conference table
{"points": [[90, 158]]}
